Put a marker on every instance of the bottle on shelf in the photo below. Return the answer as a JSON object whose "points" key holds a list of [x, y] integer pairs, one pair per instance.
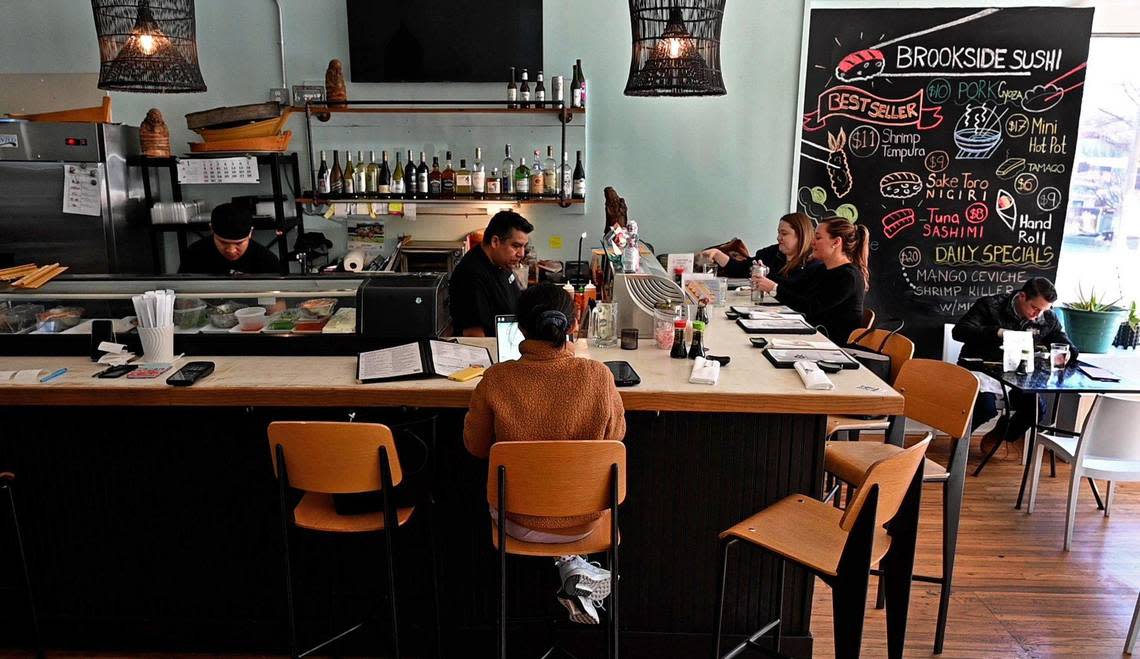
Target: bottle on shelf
{"points": [[463, 180], [422, 186], [336, 182], [550, 174], [360, 174], [579, 186], [581, 85], [323, 176], [507, 183], [435, 179], [494, 184], [576, 87], [447, 180], [522, 180], [539, 92], [567, 177], [349, 174], [384, 185], [410, 178], [397, 177], [537, 176], [478, 175], [512, 92], [524, 92], [371, 175]]}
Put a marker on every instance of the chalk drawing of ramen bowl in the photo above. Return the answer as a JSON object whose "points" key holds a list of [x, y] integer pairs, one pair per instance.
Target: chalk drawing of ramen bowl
{"points": [[976, 142]]}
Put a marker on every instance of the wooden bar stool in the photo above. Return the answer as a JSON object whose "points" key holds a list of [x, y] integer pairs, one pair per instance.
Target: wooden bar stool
{"points": [[941, 396], [6, 480], [327, 458], [896, 346], [557, 479], [879, 527]]}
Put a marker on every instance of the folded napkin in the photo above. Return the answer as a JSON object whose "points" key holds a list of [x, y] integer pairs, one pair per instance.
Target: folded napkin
{"points": [[705, 371], [813, 378]]}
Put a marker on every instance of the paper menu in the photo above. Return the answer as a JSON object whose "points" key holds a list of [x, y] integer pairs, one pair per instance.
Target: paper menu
{"points": [[419, 359], [401, 361], [1014, 345], [82, 189], [447, 358]]}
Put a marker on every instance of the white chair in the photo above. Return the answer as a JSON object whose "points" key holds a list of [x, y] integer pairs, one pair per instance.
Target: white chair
{"points": [[1131, 642], [951, 347], [1108, 448]]}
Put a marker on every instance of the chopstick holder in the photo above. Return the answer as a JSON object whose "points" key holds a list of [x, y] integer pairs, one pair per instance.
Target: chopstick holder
{"points": [[705, 371], [813, 378]]}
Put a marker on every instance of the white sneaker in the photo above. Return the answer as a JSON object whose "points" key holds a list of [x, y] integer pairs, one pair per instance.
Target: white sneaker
{"points": [[580, 577], [581, 609]]}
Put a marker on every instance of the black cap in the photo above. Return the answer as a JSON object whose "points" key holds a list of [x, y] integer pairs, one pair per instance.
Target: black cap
{"points": [[231, 221]]}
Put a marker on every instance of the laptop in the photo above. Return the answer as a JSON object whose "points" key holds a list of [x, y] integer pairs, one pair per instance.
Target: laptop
{"points": [[508, 336]]}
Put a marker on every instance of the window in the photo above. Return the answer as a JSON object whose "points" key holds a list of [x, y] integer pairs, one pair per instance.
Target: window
{"points": [[1101, 245]]}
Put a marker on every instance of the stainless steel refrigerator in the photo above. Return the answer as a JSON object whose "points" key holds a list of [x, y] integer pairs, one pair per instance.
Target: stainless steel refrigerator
{"points": [[35, 157]]}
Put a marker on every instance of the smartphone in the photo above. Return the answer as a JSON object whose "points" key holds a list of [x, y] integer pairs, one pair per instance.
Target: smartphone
{"points": [[190, 373], [116, 371], [758, 341], [624, 375]]}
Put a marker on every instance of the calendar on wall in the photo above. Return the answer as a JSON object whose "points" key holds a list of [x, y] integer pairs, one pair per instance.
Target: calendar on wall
{"points": [[242, 169]]}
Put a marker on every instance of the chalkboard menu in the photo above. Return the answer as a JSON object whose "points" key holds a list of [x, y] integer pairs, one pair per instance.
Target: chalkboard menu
{"points": [[950, 134]]}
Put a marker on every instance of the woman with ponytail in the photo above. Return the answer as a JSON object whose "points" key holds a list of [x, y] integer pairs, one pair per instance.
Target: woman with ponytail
{"points": [[833, 296]]}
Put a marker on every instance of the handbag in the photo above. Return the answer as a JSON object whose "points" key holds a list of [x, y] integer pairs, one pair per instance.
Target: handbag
{"points": [[874, 359]]}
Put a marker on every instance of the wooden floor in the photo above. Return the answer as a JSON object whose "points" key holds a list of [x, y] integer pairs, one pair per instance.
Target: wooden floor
{"points": [[1016, 593]]}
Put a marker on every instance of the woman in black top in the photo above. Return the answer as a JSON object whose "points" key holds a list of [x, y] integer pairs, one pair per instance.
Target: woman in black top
{"points": [[833, 296], [788, 260]]}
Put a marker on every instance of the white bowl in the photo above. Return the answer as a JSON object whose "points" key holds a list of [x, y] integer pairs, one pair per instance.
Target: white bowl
{"points": [[251, 318]]}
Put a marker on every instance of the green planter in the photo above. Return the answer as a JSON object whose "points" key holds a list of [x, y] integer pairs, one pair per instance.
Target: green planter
{"points": [[1091, 331]]}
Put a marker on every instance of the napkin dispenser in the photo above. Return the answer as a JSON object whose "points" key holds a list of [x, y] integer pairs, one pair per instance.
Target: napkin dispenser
{"points": [[408, 305]]}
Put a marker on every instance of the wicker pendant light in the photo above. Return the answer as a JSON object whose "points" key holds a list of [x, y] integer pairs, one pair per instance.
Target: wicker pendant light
{"points": [[148, 46], [676, 48]]}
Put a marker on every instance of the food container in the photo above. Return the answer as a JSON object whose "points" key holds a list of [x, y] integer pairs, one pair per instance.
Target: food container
{"points": [[19, 318], [58, 319], [281, 322], [321, 307], [223, 315], [250, 318], [190, 317]]}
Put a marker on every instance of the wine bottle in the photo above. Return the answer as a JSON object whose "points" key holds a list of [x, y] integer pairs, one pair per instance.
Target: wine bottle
{"points": [[494, 184], [349, 174], [336, 182], [323, 176], [507, 173], [537, 184], [522, 180], [422, 186], [360, 175], [567, 177], [576, 88], [435, 179], [463, 180], [582, 84], [410, 178], [384, 184], [539, 92], [398, 179], [524, 92], [550, 174], [478, 175], [372, 175], [447, 180], [579, 179], [512, 92]]}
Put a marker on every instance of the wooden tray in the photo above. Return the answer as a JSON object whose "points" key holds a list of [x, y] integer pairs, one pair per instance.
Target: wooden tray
{"points": [[99, 114], [264, 128], [249, 144]]}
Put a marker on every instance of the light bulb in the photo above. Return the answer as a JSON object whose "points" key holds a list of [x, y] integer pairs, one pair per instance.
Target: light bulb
{"points": [[675, 46], [148, 44]]}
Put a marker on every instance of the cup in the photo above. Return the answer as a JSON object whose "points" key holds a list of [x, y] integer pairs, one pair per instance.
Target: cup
{"points": [[603, 325], [663, 328], [1058, 356], [721, 291], [158, 344]]}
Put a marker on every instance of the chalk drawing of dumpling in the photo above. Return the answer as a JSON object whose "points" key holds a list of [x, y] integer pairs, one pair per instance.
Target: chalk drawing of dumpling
{"points": [[838, 170]]}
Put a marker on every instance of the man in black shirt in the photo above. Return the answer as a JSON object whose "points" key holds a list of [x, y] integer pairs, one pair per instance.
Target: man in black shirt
{"points": [[483, 284], [231, 249]]}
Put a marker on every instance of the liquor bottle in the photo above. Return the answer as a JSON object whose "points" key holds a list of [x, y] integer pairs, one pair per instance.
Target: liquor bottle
{"points": [[360, 174], [336, 182], [398, 178], [537, 184], [507, 173], [478, 175], [349, 174], [323, 176], [512, 92], [384, 185], [576, 88], [410, 178], [582, 84], [522, 180], [447, 180], [567, 177], [435, 179], [372, 175], [539, 92], [579, 189], [422, 187], [463, 180], [524, 92], [494, 185], [550, 174]]}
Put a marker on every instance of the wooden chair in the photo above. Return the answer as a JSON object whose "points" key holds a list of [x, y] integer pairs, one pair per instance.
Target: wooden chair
{"points": [[6, 480], [941, 396], [896, 346], [532, 478], [839, 547], [327, 458]]}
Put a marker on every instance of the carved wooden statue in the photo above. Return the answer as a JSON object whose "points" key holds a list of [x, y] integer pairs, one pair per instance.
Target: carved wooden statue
{"points": [[335, 91], [616, 210], [154, 136]]}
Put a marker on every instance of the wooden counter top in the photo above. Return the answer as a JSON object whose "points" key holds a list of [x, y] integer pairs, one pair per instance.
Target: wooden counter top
{"points": [[748, 384]]}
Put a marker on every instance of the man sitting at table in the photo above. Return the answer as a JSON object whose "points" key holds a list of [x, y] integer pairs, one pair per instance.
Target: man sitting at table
{"points": [[981, 331]]}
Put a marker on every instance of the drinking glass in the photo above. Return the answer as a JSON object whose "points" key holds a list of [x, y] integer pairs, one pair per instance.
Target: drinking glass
{"points": [[1058, 356], [603, 325]]}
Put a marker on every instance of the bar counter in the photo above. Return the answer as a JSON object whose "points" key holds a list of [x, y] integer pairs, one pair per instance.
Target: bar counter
{"points": [[149, 510]]}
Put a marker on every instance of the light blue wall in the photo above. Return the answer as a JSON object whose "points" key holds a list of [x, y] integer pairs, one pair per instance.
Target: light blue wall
{"points": [[693, 171]]}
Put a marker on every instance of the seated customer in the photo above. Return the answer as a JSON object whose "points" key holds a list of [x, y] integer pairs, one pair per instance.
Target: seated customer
{"points": [[526, 400], [788, 260], [831, 296], [980, 332], [231, 249], [483, 284]]}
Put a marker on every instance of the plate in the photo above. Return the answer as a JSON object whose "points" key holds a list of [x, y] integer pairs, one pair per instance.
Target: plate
{"points": [[236, 329]]}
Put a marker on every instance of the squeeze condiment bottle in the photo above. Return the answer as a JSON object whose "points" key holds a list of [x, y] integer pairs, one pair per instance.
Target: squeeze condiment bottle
{"points": [[591, 291]]}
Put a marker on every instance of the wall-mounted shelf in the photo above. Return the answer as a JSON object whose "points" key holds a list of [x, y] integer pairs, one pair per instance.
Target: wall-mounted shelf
{"points": [[554, 201]]}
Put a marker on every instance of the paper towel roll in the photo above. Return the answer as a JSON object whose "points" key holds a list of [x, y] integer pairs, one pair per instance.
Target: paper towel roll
{"points": [[354, 261]]}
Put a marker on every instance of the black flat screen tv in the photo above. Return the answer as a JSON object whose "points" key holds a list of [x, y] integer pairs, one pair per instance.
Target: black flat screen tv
{"points": [[443, 41]]}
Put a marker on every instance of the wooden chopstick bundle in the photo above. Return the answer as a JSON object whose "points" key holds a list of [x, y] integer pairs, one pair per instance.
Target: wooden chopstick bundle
{"points": [[40, 276], [16, 272]]}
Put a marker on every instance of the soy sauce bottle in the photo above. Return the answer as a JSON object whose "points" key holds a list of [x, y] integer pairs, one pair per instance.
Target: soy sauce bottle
{"points": [[697, 349], [679, 351]]}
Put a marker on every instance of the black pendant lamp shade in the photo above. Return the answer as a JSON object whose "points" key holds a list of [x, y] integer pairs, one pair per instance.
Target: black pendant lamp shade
{"points": [[147, 46], [676, 48]]}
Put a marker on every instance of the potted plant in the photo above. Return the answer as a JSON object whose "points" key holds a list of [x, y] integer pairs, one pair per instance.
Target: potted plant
{"points": [[1128, 335], [1091, 323]]}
